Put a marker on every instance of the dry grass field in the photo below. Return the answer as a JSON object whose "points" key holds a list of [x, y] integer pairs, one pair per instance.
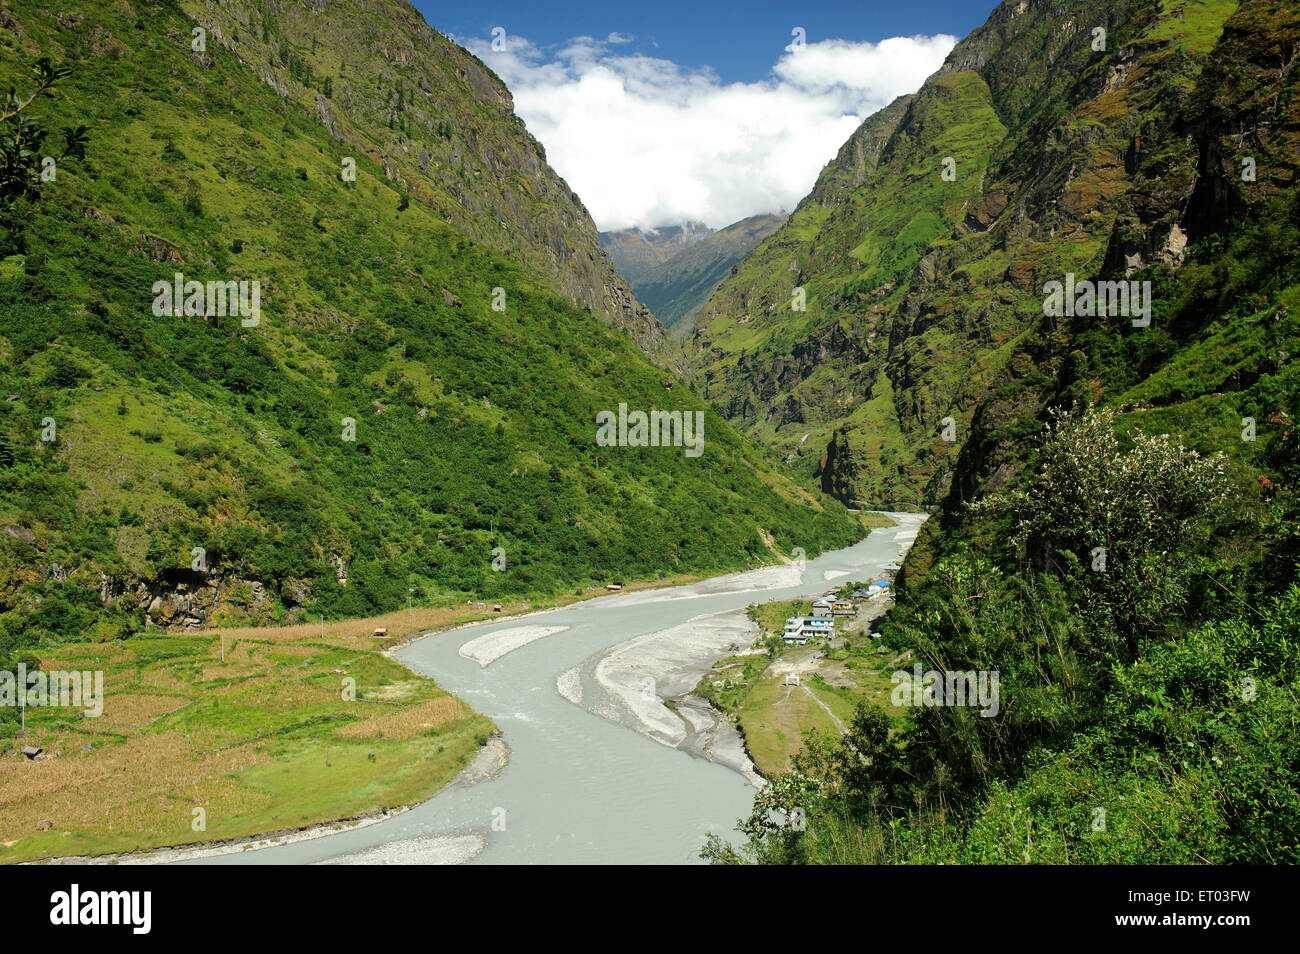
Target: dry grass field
{"points": [[292, 729]]}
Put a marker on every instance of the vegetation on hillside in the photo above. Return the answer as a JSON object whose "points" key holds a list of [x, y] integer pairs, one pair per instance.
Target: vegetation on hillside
{"points": [[411, 418], [24, 164], [923, 249], [1120, 542], [1148, 724]]}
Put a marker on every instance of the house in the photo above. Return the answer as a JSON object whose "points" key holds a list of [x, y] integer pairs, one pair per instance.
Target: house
{"points": [[819, 625], [878, 589], [861, 594], [825, 606], [799, 629], [793, 632], [843, 608]]}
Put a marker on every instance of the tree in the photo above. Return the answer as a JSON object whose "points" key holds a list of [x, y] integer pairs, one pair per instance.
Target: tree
{"points": [[1123, 525], [777, 824], [22, 161]]}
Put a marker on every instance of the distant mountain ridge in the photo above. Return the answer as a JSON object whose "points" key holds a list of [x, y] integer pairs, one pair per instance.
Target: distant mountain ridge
{"points": [[674, 269], [636, 252]]}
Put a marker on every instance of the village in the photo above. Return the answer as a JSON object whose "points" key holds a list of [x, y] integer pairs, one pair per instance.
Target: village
{"points": [[799, 630], [813, 662]]}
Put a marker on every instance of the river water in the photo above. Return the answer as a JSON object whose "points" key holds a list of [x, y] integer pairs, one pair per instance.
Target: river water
{"points": [[580, 787]]}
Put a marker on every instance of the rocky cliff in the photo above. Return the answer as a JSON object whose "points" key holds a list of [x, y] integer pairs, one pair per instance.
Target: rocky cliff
{"points": [[881, 315]]}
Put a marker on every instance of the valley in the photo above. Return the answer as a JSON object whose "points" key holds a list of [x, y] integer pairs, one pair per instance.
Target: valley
{"points": [[674, 270], [408, 512], [600, 768]]}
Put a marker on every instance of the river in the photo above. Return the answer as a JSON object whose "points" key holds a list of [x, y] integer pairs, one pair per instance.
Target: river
{"points": [[583, 787]]}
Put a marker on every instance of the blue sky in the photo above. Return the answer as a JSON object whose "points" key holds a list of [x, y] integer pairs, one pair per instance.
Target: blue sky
{"points": [[739, 41], [663, 113]]}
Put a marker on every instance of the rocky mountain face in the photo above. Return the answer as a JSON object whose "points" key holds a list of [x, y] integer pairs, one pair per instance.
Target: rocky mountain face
{"points": [[1063, 137], [637, 252], [675, 276], [1210, 214], [439, 123]]}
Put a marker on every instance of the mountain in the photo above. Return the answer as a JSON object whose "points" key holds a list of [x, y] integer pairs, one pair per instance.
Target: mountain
{"points": [[676, 282], [441, 126], [923, 250], [1104, 303], [1206, 210], [636, 252], [412, 390]]}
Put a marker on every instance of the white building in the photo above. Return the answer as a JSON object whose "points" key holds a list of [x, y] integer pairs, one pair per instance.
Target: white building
{"points": [[878, 589], [799, 629]]}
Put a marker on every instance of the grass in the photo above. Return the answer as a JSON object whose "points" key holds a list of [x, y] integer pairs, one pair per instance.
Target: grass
{"points": [[873, 520], [775, 718], [267, 739], [1194, 26]]}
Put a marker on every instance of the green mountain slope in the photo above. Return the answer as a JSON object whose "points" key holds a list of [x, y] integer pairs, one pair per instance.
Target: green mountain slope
{"points": [[1210, 218], [434, 343], [1120, 539], [674, 278], [923, 250], [441, 127]]}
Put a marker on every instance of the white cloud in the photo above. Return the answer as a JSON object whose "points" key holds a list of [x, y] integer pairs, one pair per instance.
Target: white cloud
{"points": [[645, 142]]}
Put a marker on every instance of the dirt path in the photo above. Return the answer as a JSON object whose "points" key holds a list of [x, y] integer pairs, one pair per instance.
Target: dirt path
{"points": [[844, 730]]}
